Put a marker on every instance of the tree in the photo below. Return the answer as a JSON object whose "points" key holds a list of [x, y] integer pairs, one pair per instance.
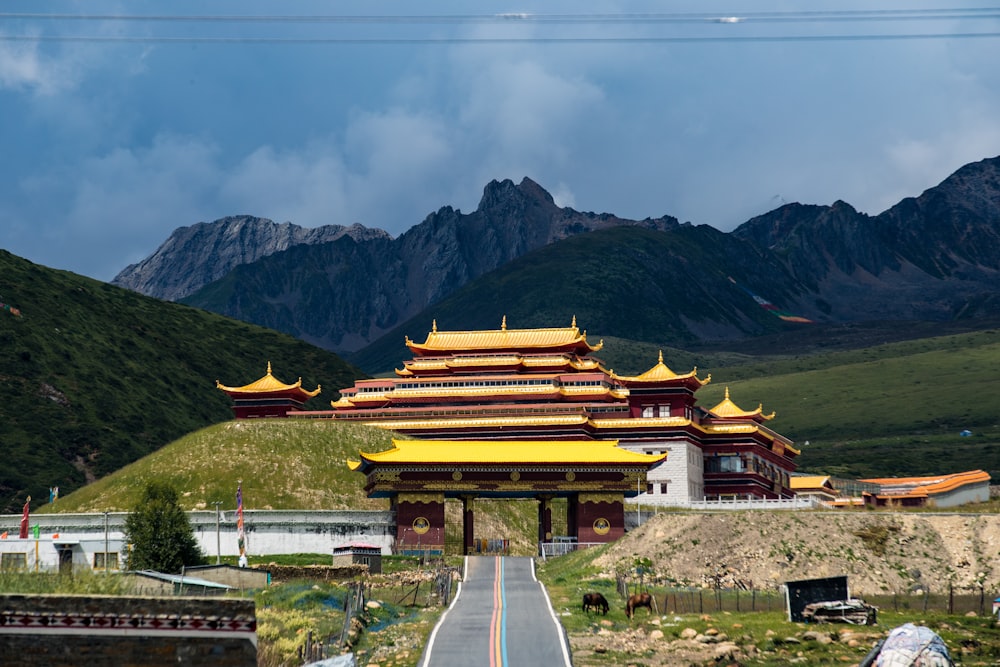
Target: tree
{"points": [[159, 534]]}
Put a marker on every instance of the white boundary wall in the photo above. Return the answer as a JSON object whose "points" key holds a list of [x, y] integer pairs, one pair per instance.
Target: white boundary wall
{"points": [[267, 532]]}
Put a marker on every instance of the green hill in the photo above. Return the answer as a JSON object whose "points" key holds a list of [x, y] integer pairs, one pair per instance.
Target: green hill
{"points": [[873, 412], [93, 377], [284, 464]]}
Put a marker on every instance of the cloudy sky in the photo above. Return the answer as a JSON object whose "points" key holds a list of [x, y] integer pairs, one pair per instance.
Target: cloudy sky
{"points": [[123, 121]]}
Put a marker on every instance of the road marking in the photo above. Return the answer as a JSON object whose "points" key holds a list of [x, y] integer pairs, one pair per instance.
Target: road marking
{"points": [[498, 623]]}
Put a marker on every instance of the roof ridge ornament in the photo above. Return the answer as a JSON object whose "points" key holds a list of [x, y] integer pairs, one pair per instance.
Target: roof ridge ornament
{"points": [[503, 323], [573, 324], [434, 325], [660, 360], [268, 367]]}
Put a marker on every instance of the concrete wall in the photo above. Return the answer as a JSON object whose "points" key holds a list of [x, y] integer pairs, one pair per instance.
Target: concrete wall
{"points": [[267, 532], [109, 631]]}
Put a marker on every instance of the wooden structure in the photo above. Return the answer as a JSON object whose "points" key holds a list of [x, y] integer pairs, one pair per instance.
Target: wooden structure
{"points": [[418, 475], [267, 397]]}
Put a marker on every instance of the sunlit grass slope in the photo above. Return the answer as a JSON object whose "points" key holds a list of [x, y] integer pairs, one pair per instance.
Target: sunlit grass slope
{"points": [[285, 464], [890, 410]]}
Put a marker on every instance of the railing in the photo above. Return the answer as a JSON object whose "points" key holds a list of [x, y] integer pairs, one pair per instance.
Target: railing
{"points": [[799, 503], [550, 549]]}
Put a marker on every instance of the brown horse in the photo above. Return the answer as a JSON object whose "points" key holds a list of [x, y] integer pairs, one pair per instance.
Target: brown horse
{"points": [[638, 600], [595, 601]]}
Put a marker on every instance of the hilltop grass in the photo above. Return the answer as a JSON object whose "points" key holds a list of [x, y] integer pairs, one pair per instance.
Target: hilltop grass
{"points": [[283, 464]]}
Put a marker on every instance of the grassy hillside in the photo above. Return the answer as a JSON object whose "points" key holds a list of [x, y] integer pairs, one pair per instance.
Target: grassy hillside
{"points": [[93, 377], [895, 409], [284, 464]]}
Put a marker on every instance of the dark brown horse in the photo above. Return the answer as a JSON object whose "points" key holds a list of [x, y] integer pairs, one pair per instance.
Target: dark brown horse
{"points": [[595, 601], [638, 600]]}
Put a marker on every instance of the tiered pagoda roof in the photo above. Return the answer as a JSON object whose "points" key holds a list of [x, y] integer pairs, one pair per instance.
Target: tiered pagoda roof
{"points": [[554, 340], [726, 409], [270, 386]]}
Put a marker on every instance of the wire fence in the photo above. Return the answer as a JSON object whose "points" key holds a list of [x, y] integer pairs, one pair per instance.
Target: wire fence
{"points": [[954, 601]]}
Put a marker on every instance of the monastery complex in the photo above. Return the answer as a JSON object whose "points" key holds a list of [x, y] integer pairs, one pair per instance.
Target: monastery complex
{"points": [[533, 413]]}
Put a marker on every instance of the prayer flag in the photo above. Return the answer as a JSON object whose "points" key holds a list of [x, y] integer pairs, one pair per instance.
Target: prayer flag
{"points": [[36, 530], [240, 537], [24, 519]]}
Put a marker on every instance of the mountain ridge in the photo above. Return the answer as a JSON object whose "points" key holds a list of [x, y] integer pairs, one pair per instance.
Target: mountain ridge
{"points": [[931, 257]]}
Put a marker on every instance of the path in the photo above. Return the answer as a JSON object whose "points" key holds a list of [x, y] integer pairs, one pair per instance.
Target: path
{"points": [[500, 617]]}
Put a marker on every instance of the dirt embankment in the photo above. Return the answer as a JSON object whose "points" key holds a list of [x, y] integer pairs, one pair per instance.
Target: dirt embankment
{"points": [[879, 552]]}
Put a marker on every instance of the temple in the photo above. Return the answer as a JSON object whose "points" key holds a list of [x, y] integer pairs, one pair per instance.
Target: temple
{"points": [[267, 397], [543, 385]]}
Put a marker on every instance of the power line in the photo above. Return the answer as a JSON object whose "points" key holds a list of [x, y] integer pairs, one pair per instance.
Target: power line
{"points": [[645, 17], [497, 40]]}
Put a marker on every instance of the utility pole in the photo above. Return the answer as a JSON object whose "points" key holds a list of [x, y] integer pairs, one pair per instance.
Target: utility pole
{"points": [[218, 541], [107, 565], [638, 492]]}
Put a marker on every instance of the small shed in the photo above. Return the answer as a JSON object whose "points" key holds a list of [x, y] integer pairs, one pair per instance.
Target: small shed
{"points": [[359, 554], [148, 582]]}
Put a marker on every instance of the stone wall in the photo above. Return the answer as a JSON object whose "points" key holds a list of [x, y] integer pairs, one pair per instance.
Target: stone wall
{"points": [[109, 631]]}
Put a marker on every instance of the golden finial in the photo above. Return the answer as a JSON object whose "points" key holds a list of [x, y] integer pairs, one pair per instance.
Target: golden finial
{"points": [[574, 322], [434, 326], [660, 360], [503, 323], [269, 368], [727, 393]]}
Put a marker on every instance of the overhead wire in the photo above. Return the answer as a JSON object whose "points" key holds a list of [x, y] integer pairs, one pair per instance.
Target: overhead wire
{"points": [[514, 18]]}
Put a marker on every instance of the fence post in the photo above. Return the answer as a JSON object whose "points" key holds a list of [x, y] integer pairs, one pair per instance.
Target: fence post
{"points": [[951, 598], [737, 599], [982, 601], [701, 602]]}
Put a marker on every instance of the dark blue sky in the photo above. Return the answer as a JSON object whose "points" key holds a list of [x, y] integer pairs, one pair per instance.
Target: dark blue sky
{"points": [[131, 128]]}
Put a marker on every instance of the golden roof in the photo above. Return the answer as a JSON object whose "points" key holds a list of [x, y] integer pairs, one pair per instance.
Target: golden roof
{"points": [[503, 339], [491, 452], [800, 482], [267, 384], [471, 421], [729, 410], [661, 372], [913, 487]]}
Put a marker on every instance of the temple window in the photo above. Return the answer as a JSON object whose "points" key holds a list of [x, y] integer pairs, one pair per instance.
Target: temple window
{"points": [[664, 410], [647, 411]]}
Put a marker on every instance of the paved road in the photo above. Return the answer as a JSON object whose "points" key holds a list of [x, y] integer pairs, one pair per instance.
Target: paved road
{"points": [[500, 617]]}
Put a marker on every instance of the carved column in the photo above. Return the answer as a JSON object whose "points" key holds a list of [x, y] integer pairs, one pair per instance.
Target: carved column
{"points": [[544, 518], [468, 524]]}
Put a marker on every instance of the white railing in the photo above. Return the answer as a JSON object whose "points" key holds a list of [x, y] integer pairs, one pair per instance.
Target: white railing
{"points": [[799, 503], [551, 549]]}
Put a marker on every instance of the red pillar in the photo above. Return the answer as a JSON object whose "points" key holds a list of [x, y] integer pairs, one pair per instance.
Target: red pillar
{"points": [[544, 518], [468, 524]]}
